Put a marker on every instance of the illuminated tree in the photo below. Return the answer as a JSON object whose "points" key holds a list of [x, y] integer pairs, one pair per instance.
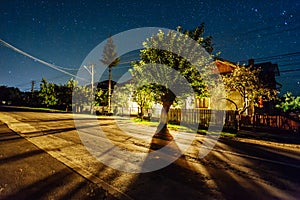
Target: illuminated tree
{"points": [[144, 97], [47, 93], [164, 78], [244, 80], [100, 97]]}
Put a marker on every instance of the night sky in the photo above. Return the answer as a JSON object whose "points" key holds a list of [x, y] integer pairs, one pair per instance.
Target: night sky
{"points": [[64, 32]]}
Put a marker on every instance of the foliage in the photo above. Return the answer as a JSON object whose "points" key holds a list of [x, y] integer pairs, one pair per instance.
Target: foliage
{"points": [[153, 54], [100, 97], [245, 81], [197, 35], [144, 97], [82, 95], [110, 56], [121, 95], [47, 93], [60, 96], [52, 95], [10, 94], [289, 103], [64, 94]]}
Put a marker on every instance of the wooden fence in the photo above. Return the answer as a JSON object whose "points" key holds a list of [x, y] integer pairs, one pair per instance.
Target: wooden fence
{"points": [[271, 122], [204, 117], [207, 117]]}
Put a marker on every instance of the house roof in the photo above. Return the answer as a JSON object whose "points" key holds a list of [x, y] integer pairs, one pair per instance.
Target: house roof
{"points": [[225, 66], [267, 74]]}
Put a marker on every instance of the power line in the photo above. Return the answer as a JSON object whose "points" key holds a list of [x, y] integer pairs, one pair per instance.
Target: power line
{"points": [[23, 84], [290, 70], [241, 36], [279, 56], [39, 60], [274, 57], [290, 64]]}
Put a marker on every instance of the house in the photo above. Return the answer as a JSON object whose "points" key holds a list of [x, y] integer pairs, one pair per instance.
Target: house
{"points": [[267, 78], [224, 67]]}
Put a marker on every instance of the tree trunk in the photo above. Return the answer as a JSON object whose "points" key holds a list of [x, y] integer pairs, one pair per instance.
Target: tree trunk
{"points": [[141, 113], [162, 131]]}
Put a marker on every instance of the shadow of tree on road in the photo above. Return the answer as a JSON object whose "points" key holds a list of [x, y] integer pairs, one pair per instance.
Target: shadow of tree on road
{"points": [[217, 176]]}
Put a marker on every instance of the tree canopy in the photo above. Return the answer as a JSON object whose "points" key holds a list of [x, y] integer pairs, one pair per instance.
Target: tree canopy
{"points": [[48, 94], [167, 66], [289, 103], [245, 81], [110, 57], [63, 96]]}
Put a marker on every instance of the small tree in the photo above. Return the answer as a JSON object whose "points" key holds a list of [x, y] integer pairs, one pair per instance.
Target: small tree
{"points": [[65, 94], [100, 97], [81, 97], [244, 80], [47, 93], [144, 97]]}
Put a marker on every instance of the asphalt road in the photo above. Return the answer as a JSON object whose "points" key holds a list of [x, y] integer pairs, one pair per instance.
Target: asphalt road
{"points": [[28, 172], [248, 168]]}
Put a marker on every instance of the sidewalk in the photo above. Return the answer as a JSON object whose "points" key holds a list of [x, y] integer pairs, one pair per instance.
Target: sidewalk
{"points": [[27, 172], [280, 137]]}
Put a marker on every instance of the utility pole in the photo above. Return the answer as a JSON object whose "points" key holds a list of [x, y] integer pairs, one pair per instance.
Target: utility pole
{"points": [[109, 88], [32, 88], [93, 96], [90, 69]]}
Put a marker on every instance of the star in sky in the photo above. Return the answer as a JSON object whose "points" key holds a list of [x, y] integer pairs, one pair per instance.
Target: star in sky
{"points": [[64, 32]]}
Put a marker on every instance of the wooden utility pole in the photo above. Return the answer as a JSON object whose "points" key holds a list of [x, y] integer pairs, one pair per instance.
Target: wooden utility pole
{"points": [[32, 86], [92, 85], [109, 88]]}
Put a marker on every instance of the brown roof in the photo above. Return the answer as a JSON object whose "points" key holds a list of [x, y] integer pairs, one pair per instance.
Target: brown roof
{"points": [[225, 66]]}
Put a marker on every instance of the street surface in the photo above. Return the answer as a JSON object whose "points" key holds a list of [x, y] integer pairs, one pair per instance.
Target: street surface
{"points": [[247, 168], [28, 172]]}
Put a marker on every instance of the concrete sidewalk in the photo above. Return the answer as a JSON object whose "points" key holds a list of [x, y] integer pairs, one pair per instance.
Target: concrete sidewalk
{"points": [[27, 172]]}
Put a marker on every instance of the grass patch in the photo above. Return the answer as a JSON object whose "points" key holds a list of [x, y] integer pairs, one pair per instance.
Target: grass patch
{"points": [[226, 134], [174, 127], [144, 122], [42, 109], [180, 128]]}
